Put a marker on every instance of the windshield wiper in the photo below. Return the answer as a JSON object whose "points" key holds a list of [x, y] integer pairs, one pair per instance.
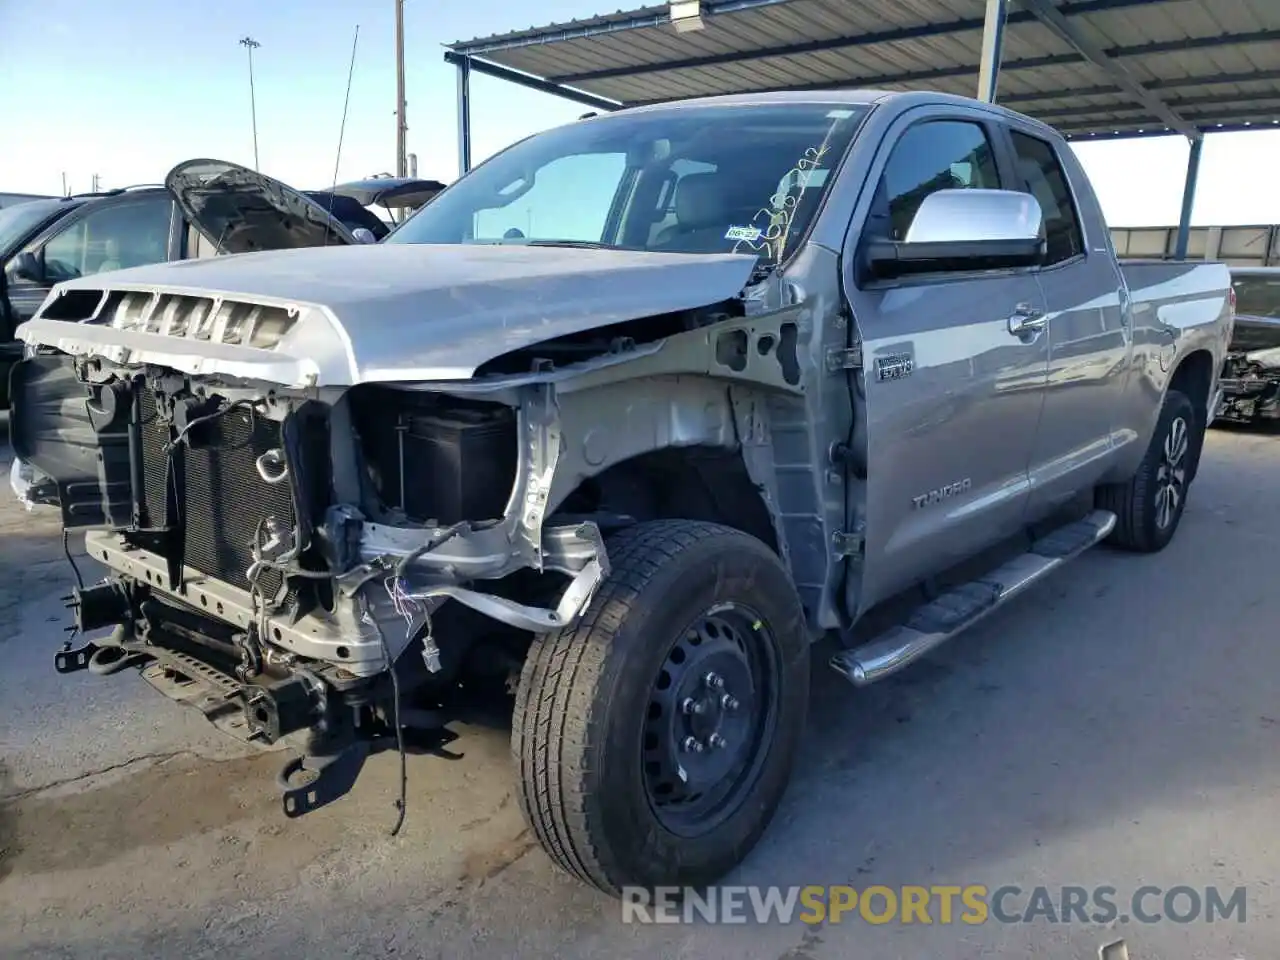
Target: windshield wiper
{"points": [[584, 244]]}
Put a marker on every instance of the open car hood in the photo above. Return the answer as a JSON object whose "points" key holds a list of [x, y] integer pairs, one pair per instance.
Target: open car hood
{"points": [[239, 210]]}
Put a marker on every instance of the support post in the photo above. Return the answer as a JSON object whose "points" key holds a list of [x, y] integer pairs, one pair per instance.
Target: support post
{"points": [[401, 124], [1188, 198], [464, 115], [992, 49]]}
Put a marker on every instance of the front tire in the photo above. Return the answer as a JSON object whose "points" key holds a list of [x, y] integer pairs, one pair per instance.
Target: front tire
{"points": [[1149, 506], [655, 739]]}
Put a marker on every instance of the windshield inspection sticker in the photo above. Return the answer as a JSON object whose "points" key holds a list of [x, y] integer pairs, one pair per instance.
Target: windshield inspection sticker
{"points": [[742, 233]]}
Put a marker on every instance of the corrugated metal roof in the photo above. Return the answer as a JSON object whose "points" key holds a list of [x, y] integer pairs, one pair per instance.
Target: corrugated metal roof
{"points": [[1214, 63]]}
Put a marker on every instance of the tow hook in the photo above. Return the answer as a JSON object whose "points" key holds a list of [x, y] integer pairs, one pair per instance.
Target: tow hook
{"points": [[326, 777], [104, 605]]}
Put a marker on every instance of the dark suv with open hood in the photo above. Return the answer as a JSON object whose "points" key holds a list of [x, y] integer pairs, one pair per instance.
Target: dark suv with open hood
{"points": [[204, 207]]}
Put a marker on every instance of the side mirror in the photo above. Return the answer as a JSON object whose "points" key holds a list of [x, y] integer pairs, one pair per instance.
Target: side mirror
{"points": [[958, 230], [26, 266], [364, 235]]}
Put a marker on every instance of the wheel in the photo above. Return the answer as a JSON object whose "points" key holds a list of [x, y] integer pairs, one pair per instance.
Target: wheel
{"points": [[655, 739], [1149, 506]]}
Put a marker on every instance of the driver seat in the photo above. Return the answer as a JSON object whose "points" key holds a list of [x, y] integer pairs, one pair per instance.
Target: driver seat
{"points": [[702, 216]]}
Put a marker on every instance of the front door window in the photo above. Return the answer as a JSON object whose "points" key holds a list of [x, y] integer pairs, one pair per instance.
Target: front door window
{"points": [[132, 233]]}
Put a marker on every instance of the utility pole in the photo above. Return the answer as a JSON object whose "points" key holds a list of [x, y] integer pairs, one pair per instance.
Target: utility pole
{"points": [[401, 126], [94, 188], [65, 191], [252, 44]]}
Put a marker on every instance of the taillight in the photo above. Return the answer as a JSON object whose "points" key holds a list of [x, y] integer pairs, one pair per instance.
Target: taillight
{"points": [[1231, 298]]}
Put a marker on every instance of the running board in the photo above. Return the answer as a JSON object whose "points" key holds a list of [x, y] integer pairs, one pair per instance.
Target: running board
{"points": [[938, 621]]}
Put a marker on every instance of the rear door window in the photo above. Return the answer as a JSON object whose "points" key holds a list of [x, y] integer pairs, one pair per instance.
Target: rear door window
{"points": [[1044, 178]]}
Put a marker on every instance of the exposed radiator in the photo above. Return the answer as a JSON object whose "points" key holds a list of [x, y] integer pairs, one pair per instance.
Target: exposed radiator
{"points": [[225, 499]]}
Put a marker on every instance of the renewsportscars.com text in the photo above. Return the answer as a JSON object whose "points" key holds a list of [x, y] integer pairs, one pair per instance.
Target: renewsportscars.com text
{"points": [[970, 904]]}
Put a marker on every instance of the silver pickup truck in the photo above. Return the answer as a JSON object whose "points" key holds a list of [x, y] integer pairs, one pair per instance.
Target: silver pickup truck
{"points": [[620, 423]]}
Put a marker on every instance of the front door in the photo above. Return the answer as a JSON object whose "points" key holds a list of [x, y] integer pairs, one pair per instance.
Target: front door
{"points": [[953, 395]]}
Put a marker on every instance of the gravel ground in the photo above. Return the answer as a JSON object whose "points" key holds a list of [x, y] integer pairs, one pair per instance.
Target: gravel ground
{"points": [[1118, 725]]}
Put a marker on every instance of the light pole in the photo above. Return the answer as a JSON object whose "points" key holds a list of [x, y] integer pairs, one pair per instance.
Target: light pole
{"points": [[401, 125], [251, 44]]}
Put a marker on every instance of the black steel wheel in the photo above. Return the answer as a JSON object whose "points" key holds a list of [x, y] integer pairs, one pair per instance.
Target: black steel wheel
{"points": [[712, 712], [655, 739], [1149, 506]]}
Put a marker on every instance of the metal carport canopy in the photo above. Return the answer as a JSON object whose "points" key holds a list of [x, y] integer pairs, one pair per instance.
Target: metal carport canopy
{"points": [[1095, 69]]}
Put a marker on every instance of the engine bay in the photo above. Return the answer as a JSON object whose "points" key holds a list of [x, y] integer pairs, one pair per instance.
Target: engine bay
{"points": [[282, 550]]}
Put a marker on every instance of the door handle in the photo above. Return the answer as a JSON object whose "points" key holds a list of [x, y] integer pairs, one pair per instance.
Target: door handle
{"points": [[1026, 319]]}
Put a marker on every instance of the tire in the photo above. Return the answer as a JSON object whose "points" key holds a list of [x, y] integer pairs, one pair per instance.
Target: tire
{"points": [[1143, 524], [596, 736]]}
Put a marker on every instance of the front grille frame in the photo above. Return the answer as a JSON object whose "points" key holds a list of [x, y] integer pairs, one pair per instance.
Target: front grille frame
{"points": [[205, 513]]}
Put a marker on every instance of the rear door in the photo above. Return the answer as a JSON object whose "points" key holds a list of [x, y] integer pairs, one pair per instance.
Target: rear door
{"points": [[952, 396], [1090, 340]]}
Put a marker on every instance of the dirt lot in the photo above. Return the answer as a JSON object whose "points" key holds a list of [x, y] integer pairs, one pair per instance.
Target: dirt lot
{"points": [[1119, 725]]}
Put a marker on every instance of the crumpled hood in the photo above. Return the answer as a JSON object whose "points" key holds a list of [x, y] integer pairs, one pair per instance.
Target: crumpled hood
{"points": [[399, 311]]}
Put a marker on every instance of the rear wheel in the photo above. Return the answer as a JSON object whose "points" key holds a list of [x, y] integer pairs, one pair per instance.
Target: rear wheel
{"points": [[1149, 506], [655, 739]]}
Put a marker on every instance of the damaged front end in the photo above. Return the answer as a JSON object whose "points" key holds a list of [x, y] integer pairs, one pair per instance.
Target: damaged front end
{"points": [[1250, 384], [272, 552]]}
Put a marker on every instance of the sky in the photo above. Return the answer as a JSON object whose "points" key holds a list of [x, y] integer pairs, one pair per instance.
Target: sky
{"points": [[127, 90]]}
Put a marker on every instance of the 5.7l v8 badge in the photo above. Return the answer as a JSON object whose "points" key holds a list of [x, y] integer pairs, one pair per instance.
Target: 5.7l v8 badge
{"points": [[894, 367]]}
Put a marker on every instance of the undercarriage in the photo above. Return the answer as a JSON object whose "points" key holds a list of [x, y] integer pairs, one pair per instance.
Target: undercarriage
{"points": [[284, 561]]}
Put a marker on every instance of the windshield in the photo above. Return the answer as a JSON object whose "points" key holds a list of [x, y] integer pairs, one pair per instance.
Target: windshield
{"points": [[1258, 296], [18, 221], [705, 179]]}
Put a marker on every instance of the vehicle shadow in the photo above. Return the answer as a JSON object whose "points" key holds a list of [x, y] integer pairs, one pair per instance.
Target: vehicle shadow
{"points": [[1108, 704]]}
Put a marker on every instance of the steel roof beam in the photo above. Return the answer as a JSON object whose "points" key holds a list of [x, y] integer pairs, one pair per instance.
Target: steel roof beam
{"points": [[1262, 118], [1084, 110], [532, 82], [1053, 60], [1052, 18], [1086, 136], [898, 34], [599, 27], [1110, 88]]}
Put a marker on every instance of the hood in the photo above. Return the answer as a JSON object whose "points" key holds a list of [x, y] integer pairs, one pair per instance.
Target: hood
{"points": [[1252, 334], [384, 312], [239, 210]]}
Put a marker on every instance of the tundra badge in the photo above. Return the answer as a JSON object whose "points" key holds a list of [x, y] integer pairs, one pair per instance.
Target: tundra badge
{"points": [[942, 493]]}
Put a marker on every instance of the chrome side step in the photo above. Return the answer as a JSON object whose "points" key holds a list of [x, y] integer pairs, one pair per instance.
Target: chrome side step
{"points": [[938, 621]]}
